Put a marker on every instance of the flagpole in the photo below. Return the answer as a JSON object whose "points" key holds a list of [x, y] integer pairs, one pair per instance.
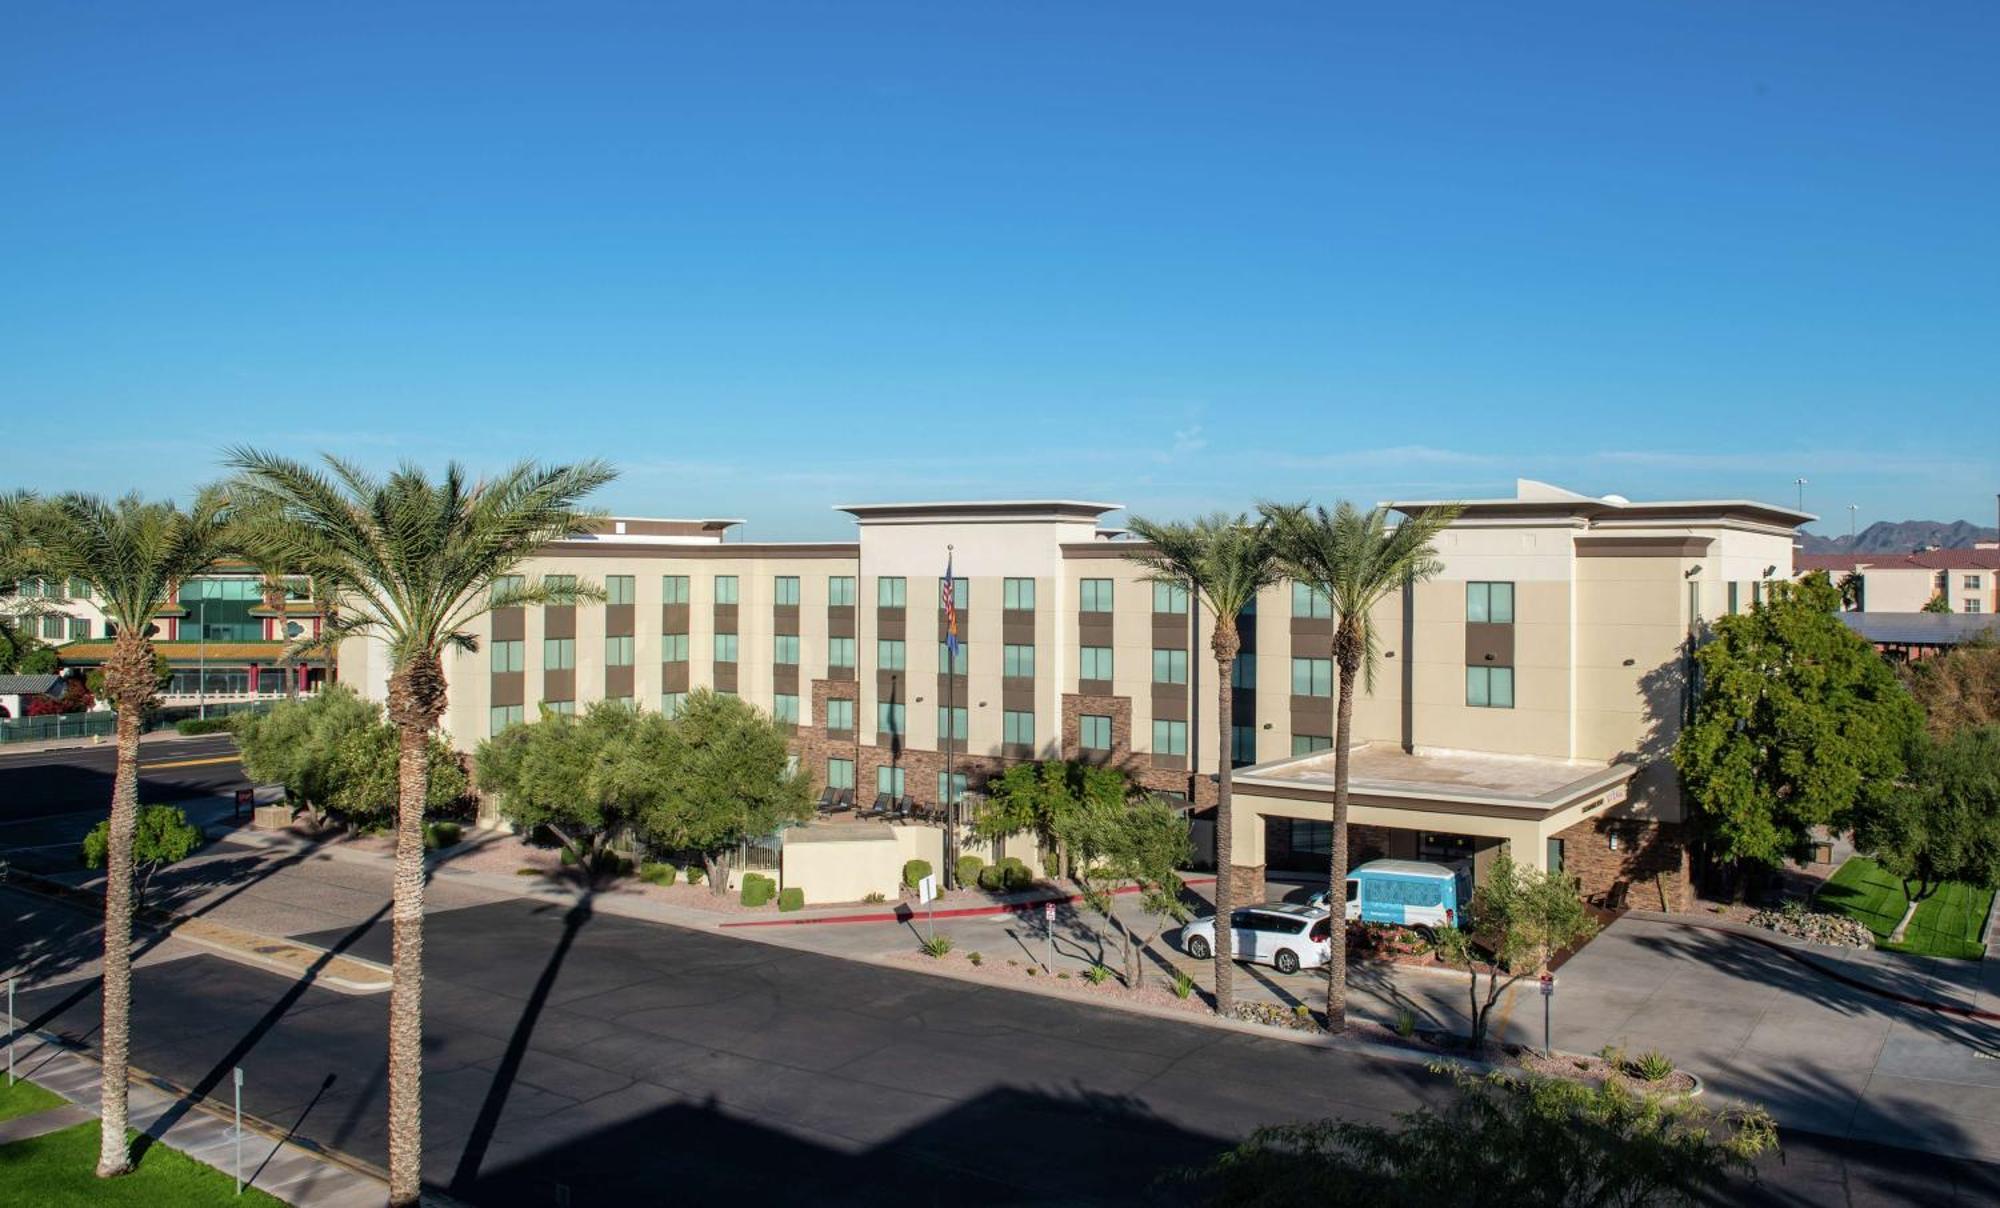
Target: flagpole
{"points": [[950, 727]]}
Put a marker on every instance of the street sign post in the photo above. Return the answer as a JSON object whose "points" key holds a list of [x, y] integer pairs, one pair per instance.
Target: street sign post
{"points": [[11, 1029], [1049, 933], [1548, 998], [927, 893], [239, 1130]]}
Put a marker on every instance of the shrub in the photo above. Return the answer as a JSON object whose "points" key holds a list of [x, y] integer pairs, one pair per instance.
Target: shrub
{"points": [[1014, 875], [568, 858], [992, 878], [975, 958], [1406, 1023], [441, 834], [793, 898], [937, 945], [915, 871], [189, 726], [968, 868], [1650, 1066], [875, 895], [1183, 984], [1097, 975], [695, 872], [757, 890], [658, 874]]}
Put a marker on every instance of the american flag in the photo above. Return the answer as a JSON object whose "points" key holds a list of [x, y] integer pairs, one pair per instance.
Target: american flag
{"points": [[947, 595]]}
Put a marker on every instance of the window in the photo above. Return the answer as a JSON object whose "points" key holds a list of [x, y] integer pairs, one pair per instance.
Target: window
{"points": [[1170, 597], [1732, 597], [889, 781], [673, 589], [840, 591], [1096, 595], [563, 708], [961, 593], [79, 589], [1307, 744], [839, 714], [79, 627], [671, 702], [889, 654], [890, 717], [959, 665], [785, 649], [725, 589], [52, 627], [1312, 677], [1555, 855], [1242, 745], [623, 702], [951, 723], [840, 773], [1017, 727], [619, 589], [500, 717], [952, 791], [1170, 666], [1489, 687], [674, 648], [1017, 662], [558, 654], [1489, 603], [505, 586], [559, 584], [725, 647], [1094, 732], [1017, 594], [1243, 672], [1169, 737], [892, 592], [785, 589], [1971, 584], [618, 650], [507, 656], [1096, 664], [1971, 604], [785, 708], [1310, 601], [840, 652]]}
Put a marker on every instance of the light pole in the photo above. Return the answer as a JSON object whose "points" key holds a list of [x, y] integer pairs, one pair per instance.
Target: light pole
{"points": [[1851, 509], [201, 663], [1800, 483]]}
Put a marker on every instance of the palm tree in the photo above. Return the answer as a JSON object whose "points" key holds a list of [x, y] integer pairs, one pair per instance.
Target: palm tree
{"points": [[411, 563], [132, 554], [1225, 560], [1355, 559]]}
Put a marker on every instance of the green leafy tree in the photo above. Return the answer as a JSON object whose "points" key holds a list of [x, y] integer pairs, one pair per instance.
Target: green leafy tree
{"points": [[1356, 560], [581, 778], [1047, 799], [364, 788], [163, 836], [131, 553], [1506, 1139], [1143, 845], [1797, 724], [726, 779], [1225, 561], [1943, 822], [297, 744], [1523, 917], [412, 562]]}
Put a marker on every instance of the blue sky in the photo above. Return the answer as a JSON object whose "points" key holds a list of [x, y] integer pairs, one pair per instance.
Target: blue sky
{"points": [[770, 257]]}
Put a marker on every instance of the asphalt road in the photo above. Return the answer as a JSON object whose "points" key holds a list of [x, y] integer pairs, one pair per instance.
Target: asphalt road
{"points": [[622, 1062], [49, 799]]}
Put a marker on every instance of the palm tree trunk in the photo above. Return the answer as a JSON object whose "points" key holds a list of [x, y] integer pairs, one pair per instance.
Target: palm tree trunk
{"points": [[113, 1156], [1336, 965], [1225, 843], [406, 994]]}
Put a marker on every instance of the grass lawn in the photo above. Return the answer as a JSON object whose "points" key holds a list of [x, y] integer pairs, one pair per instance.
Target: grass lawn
{"points": [[24, 1098], [1947, 923], [57, 1171]]}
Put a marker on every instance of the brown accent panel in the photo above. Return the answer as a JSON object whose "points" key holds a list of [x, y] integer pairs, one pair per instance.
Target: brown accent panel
{"points": [[1174, 763], [731, 549], [559, 621], [725, 618], [559, 685], [840, 621], [784, 618], [1017, 695], [785, 678], [1170, 702], [725, 677], [955, 689], [618, 681], [1488, 644], [1086, 687], [509, 687], [618, 620], [1312, 715], [673, 677], [674, 618], [892, 623], [1642, 547], [1093, 628], [842, 675], [1170, 631], [1072, 550], [892, 686], [964, 627], [510, 625], [1017, 627], [1016, 750], [1315, 632]]}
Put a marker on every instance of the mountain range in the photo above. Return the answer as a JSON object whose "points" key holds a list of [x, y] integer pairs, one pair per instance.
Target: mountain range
{"points": [[1901, 536]]}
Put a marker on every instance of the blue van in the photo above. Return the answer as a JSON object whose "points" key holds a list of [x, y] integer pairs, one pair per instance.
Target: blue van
{"points": [[1409, 892]]}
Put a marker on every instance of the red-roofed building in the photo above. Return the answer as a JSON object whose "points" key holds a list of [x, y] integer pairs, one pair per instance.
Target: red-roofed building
{"points": [[1968, 579]]}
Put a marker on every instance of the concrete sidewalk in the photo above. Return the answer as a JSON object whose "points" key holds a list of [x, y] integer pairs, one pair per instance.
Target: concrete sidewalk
{"points": [[270, 1162]]}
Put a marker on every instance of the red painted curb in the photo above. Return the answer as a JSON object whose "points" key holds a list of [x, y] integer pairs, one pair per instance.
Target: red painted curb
{"points": [[1856, 983], [907, 911]]}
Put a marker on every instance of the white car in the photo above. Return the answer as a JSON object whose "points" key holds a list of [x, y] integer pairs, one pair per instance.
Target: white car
{"points": [[1286, 937]]}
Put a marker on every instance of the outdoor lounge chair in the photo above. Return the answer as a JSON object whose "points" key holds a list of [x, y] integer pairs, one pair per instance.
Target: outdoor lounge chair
{"points": [[826, 800], [880, 808]]}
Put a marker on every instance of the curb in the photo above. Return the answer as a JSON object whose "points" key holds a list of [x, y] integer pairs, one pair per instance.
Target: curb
{"points": [[905, 911]]}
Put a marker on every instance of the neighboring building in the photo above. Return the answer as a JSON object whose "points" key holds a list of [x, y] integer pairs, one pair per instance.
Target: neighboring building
{"points": [[1967, 579], [1910, 636], [1529, 693], [18, 691]]}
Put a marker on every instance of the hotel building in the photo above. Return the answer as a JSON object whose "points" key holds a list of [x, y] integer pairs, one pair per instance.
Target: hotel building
{"points": [[1527, 695]]}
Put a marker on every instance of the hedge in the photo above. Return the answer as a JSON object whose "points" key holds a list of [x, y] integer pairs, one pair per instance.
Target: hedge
{"points": [[793, 898], [658, 874], [915, 871], [1014, 874], [993, 878], [968, 869], [189, 726], [757, 890], [442, 834]]}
